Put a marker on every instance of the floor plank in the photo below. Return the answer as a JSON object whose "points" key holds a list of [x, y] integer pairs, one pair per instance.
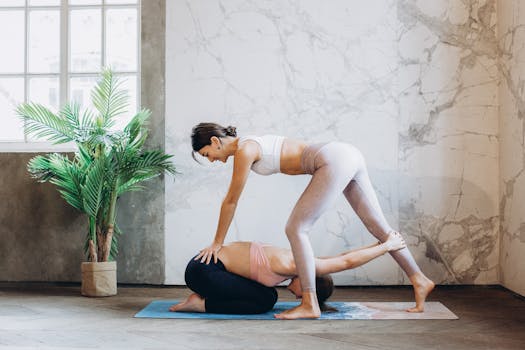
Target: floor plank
{"points": [[55, 316]]}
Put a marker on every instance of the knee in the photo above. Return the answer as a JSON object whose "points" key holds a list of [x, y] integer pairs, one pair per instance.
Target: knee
{"points": [[355, 152], [194, 274], [273, 298], [355, 157], [293, 229], [290, 229]]}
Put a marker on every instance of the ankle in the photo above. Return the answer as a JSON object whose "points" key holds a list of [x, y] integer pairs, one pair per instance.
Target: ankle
{"points": [[309, 299], [419, 278]]}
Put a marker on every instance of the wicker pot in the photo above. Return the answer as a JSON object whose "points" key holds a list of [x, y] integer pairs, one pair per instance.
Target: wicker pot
{"points": [[99, 279]]}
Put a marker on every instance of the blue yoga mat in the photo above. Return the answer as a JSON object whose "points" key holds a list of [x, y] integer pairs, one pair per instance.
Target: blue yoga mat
{"points": [[345, 311]]}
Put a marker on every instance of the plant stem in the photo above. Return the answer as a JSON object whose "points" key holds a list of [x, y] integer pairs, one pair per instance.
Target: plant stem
{"points": [[93, 240], [111, 220], [92, 252]]}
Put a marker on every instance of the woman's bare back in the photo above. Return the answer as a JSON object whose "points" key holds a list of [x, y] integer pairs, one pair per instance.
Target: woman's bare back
{"points": [[291, 154], [236, 259]]}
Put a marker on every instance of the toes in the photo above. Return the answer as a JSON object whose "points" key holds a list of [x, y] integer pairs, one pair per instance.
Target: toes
{"points": [[414, 310]]}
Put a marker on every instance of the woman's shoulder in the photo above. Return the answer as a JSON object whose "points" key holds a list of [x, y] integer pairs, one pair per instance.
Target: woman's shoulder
{"points": [[259, 137], [249, 148], [281, 260], [250, 138]]}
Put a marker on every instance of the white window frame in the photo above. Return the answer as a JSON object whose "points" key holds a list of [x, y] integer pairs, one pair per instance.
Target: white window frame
{"points": [[64, 74]]}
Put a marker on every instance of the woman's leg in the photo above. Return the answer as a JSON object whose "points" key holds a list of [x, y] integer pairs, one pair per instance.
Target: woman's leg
{"points": [[321, 192], [228, 293], [362, 197], [326, 184]]}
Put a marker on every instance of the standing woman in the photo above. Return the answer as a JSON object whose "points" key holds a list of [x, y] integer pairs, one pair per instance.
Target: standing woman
{"points": [[335, 167]]}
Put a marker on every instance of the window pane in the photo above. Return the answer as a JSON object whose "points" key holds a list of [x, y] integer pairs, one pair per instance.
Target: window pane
{"points": [[12, 39], [121, 41], [85, 55], [44, 2], [80, 91], [85, 2], [44, 41], [8, 3], [44, 91], [129, 83], [112, 2], [11, 94]]}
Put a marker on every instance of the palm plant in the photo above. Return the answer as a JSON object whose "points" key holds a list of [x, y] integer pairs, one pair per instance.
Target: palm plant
{"points": [[107, 162]]}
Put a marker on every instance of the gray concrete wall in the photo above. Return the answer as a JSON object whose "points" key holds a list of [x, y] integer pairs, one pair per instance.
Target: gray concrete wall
{"points": [[141, 214], [41, 237]]}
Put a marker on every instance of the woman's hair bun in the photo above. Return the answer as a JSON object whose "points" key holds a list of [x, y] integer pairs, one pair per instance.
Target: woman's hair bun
{"points": [[231, 131]]}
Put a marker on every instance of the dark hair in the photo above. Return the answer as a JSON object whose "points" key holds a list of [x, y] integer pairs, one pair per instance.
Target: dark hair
{"points": [[202, 133], [324, 287]]}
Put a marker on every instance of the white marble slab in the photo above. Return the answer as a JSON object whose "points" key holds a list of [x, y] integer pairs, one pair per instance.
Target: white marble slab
{"points": [[511, 21], [413, 84]]}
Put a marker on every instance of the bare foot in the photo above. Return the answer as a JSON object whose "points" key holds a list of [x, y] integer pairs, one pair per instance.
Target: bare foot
{"points": [[298, 312], [422, 288], [309, 308], [194, 303]]}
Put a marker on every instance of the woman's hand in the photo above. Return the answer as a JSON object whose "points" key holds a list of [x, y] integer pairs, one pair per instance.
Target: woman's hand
{"points": [[395, 242], [207, 253]]}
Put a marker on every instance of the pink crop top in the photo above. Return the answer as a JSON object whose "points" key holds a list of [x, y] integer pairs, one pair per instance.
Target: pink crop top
{"points": [[260, 269]]}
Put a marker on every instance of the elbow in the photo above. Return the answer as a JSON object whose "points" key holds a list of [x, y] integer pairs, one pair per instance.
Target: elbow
{"points": [[229, 202], [349, 264]]}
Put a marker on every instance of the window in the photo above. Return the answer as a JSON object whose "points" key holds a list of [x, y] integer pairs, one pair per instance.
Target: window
{"points": [[53, 52]]}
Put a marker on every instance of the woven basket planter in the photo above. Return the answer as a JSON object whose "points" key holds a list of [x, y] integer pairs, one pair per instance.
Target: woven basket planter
{"points": [[99, 279]]}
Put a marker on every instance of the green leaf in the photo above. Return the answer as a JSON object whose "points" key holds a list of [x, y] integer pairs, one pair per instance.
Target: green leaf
{"points": [[107, 163], [155, 160], [137, 124], [93, 186], [40, 122], [40, 169], [114, 243], [63, 173], [109, 99], [70, 112]]}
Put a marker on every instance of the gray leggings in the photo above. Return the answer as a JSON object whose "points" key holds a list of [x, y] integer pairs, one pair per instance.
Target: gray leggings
{"points": [[336, 167]]}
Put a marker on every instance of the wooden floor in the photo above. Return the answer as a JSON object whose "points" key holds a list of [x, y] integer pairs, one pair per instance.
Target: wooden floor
{"points": [[50, 316]]}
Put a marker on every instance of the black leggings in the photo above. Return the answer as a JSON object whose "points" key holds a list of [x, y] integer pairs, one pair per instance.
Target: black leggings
{"points": [[227, 293]]}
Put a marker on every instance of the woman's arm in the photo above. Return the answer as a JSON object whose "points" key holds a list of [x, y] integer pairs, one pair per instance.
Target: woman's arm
{"points": [[284, 264], [350, 251], [359, 257], [243, 160]]}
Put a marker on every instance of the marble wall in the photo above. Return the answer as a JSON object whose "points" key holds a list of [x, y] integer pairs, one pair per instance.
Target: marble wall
{"points": [[511, 27], [413, 84]]}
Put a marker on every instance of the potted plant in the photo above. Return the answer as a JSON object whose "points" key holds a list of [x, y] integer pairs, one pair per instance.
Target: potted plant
{"points": [[106, 164]]}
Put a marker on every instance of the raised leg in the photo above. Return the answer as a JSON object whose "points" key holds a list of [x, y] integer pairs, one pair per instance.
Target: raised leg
{"points": [[362, 197]]}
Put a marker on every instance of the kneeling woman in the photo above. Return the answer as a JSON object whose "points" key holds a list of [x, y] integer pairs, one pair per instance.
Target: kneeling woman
{"points": [[242, 280]]}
